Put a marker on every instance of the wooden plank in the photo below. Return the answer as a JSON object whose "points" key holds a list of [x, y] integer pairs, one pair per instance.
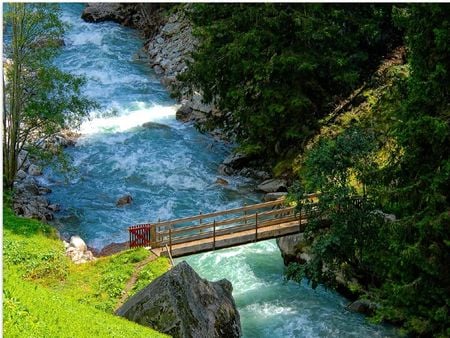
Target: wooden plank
{"points": [[225, 241], [232, 230], [229, 221], [224, 212]]}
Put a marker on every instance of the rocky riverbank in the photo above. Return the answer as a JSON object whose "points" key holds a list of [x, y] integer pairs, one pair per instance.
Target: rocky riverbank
{"points": [[30, 198], [168, 48]]}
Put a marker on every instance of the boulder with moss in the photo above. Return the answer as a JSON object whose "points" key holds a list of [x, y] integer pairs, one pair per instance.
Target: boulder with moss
{"points": [[182, 304]]}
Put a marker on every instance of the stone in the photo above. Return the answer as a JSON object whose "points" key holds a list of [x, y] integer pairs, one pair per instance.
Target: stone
{"points": [[221, 181], [126, 199], [363, 306], [44, 190], [155, 125], [182, 304], [289, 247], [273, 185], [236, 160], [198, 104], [273, 196], [183, 113], [27, 187], [21, 174], [385, 216], [99, 12], [158, 69], [54, 207], [34, 170], [114, 248], [225, 170], [77, 243]]}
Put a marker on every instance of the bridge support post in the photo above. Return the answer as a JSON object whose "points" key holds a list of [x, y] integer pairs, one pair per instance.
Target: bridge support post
{"points": [[256, 227], [170, 240], [214, 235], [152, 235], [300, 221]]}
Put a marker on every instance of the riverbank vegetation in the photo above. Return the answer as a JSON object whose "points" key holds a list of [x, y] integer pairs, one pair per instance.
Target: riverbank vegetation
{"points": [[45, 294], [304, 86], [39, 99]]}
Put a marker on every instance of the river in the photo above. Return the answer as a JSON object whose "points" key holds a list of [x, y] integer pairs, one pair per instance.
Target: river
{"points": [[170, 170]]}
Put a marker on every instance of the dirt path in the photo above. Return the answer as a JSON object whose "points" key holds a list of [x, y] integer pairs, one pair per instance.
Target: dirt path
{"points": [[132, 281]]}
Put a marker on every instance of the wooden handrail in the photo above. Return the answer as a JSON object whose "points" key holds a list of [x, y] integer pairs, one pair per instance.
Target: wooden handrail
{"points": [[221, 213], [227, 222], [255, 217]]}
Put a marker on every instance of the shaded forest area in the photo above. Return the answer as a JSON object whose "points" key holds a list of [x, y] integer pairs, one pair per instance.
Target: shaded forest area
{"points": [[312, 91]]}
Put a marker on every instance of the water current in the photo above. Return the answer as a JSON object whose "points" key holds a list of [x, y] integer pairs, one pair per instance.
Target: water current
{"points": [[170, 171]]}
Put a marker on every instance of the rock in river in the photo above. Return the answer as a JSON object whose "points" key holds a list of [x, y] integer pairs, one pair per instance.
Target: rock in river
{"points": [[182, 304], [273, 185], [126, 199]]}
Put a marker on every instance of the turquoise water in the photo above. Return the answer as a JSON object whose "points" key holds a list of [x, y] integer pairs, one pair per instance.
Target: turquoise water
{"points": [[171, 172]]}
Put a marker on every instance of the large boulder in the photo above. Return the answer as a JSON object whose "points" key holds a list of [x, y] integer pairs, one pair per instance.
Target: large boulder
{"points": [[34, 170], [294, 248], [78, 251], [273, 196], [273, 185], [78, 243], [98, 12], [182, 304]]}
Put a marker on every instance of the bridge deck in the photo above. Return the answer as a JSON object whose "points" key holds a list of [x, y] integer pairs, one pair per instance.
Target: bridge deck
{"points": [[231, 239], [221, 229]]}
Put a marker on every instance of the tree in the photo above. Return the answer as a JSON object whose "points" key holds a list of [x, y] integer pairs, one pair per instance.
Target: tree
{"points": [[279, 68], [39, 99]]}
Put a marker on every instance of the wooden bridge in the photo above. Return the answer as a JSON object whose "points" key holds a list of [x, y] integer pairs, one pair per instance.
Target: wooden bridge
{"points": [[217, 230]]}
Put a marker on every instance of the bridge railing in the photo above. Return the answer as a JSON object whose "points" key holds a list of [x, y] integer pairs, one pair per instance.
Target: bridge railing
{"points": [[211, 225]]}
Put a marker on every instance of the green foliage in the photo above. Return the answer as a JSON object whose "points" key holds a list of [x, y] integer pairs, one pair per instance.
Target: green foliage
{"points": [[345, 232], [280, 67], [397, 162], [33, 258], [39, 99]]}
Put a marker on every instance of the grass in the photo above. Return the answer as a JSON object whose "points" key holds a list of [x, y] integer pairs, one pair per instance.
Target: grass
{"points": [[46, 295]]}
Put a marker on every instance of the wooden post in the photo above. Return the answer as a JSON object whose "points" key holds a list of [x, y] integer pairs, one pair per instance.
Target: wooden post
{"points": [[153, 240], [300, 221], [170, 239], [200, 220], [256, 227], [245, 214], [214, 235], [129, 242]]}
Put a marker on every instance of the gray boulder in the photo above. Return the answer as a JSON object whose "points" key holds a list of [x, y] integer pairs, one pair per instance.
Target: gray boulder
{"points": [[183, 113], [293, 248], [155, 125], [98, 12], [182, 304], [34, 170], [364, 306], [236, 161], [273, 185], [273, 196], [21, 174], [124, 200]]}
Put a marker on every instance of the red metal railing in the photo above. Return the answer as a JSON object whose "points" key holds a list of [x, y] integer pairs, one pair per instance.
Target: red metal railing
{"points": [[139, 235]]}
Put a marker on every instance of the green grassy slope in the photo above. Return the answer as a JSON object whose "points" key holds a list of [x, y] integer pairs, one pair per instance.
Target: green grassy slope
{"points": [[46, 295]]}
